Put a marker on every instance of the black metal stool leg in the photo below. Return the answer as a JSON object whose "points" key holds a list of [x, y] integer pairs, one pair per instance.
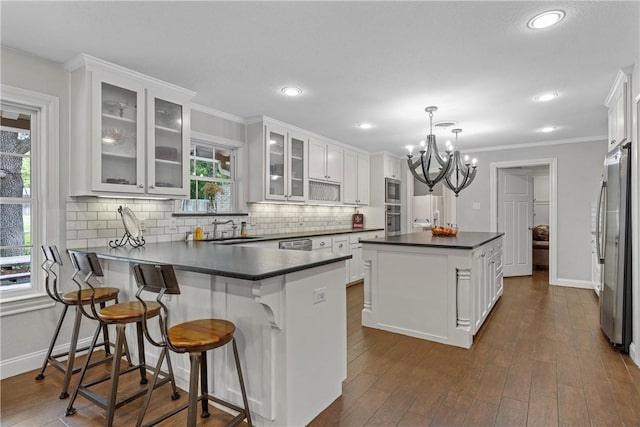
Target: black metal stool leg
{"points": [[115, 375], [141, 356], [40, 376], [70, 409], [245, 400], [175, 394], [152, 386], [204, 384], [193, 389], [72, 354], [105, 333]]}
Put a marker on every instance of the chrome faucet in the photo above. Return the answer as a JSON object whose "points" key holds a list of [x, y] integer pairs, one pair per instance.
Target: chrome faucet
{"points": [[216, 223]]}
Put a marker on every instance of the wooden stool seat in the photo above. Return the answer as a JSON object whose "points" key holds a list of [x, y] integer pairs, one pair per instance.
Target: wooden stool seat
{"points": [[128, 312], [201, 334], [101, 294]]}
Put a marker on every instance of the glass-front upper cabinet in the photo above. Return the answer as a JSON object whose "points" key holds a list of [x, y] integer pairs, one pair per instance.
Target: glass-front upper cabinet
{"points": [[167, 155], [129, 132], [120, 127], [286, 156]]}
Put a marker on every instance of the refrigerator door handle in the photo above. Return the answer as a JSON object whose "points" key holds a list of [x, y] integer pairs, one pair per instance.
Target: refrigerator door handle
{"points": [[599, 212]]}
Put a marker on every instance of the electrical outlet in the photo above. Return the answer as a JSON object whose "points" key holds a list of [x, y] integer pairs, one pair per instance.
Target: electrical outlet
{"points": [[142, 225], [173, 226], [166, 298], [251, 220], [320, 295], [476, 206]]}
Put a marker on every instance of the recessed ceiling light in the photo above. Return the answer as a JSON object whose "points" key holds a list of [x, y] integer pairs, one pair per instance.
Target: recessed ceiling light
{"points": [[546, 96], [548, 129], [365, 125], [546, 19], [292, 91]]}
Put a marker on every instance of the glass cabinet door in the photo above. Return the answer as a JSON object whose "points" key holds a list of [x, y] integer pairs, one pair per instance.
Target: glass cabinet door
{"points": [[296, 168], [119, 164], [166, 161], [276, 153]]}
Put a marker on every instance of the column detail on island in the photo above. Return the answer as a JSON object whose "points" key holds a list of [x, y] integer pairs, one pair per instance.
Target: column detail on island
{"points": [[464, 298]]}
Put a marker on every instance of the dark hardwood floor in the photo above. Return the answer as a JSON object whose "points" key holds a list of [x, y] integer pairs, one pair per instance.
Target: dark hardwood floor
{"points": [[539, 360]]}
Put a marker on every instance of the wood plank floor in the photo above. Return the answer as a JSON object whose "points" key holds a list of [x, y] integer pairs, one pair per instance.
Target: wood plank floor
{"points": [[540, 360]]}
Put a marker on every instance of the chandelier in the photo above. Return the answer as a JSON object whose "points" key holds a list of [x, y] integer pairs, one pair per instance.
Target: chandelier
{"points": [[457, 174]]}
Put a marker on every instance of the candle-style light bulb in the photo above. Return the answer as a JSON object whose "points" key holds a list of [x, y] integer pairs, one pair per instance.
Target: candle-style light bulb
{"points": [[410, 149], [466, 160], [448, 147], [422, 144], [474, 162]]}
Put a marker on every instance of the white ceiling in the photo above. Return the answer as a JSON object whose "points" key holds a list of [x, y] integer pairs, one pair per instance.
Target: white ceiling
{"points": [[378, 62]]}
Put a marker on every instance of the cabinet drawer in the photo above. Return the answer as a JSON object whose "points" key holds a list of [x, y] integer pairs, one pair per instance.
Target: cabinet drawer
{"points": [[355, 237], [340, 245], [320, 243]]}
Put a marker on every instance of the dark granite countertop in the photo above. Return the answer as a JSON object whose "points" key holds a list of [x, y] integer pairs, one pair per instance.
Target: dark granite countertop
{"points": [[464, 240], [303, 234], [221, 260]]}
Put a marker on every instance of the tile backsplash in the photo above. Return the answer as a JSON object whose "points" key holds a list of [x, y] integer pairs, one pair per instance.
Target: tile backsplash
{"points": [[93, 221]]}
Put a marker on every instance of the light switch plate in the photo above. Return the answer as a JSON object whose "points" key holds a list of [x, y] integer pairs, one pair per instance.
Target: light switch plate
{"points": [[320, 295], [476, 206]]}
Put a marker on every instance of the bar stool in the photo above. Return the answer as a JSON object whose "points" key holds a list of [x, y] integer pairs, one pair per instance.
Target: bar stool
{"points": [[71, 299], [195, 337], [120, 315]]}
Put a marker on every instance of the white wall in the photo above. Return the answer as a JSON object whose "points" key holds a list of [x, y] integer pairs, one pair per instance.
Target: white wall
{"points": [[579, 171], [25, 335]]}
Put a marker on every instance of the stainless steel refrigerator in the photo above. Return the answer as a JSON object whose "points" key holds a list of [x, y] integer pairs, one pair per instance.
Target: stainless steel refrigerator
{"points": [[613, 229]]}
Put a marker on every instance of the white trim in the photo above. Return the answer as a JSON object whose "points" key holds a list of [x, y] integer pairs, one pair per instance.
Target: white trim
{"points": [[621, 77], [572, 283], [28, 362], [91, 63], [537, 144], [47, 225], [552, 163], [218, 113], [218, 140], [633, 353]]}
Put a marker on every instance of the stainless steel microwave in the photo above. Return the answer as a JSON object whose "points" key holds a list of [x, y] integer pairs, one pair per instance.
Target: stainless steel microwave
{"points": [[392, 191]]}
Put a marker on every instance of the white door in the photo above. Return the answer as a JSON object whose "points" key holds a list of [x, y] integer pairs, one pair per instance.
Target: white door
{"points": [[515, 214]]}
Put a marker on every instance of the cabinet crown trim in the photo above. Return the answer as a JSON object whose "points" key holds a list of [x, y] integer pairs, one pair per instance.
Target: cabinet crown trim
{"points": [[623, 76], [92, 63]]}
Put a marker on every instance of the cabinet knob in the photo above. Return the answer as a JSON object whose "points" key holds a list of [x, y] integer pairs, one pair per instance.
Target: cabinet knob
{"points": [[152, 186], [340, 245], [140, 186], [321, 243]]}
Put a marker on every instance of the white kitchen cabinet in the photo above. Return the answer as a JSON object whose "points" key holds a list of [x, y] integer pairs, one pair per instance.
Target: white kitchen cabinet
{"points": [[487, 278], [325, 161], [277, 162], [356, 178], [129, 132], [618, 102], [322, 244], [391, 167]]}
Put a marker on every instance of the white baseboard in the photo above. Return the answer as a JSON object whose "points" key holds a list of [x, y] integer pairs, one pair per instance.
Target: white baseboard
{"points": [[28, 362], [633, 353], [572, 283]]}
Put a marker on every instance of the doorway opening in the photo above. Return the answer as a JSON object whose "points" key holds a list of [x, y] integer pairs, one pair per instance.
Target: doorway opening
{"points": [[544, 172]]}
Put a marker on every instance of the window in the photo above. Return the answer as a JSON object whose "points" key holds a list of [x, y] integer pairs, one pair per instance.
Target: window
{"points": [[17, 207], [29, 195], [212, 172]]}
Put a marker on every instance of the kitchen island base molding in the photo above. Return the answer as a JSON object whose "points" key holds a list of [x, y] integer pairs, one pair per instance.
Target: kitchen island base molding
{"points": [[292, 351], [439, 294]]}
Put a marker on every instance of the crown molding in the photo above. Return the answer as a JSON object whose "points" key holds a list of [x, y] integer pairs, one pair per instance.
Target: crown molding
{"points": [[218, 113], [623, 76], [601, 138]]}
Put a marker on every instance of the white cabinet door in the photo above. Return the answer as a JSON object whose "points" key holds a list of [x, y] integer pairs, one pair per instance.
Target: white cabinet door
{"points": [[391, 167], [317, 160], [356, 267], [621, 116], [334, 163], [296, 161], [167, 145], [363, 179], [350, 184], [325, 162], [118, 136], [276, 150]]}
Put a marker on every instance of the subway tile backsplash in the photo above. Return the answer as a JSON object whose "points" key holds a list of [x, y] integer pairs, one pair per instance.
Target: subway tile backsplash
{"points": [[92, 221]]}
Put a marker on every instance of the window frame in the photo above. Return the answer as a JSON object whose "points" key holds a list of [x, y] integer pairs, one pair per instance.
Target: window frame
{"points": [[45, 188], [222, 143]]}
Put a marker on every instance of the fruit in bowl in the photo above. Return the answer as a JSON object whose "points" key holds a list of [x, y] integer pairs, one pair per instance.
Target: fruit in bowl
{"points": [[444, 231]]}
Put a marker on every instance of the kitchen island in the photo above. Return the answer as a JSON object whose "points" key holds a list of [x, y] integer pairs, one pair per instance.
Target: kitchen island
{"points": [[438, 288], [289, 309]]}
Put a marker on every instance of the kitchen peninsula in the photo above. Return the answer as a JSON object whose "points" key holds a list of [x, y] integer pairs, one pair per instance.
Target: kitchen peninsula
{"points": [[289, 308], [432, 287]]}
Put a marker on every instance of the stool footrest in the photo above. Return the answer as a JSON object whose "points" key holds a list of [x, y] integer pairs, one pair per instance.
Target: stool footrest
{"points": [[53, 359], [83, 389]]}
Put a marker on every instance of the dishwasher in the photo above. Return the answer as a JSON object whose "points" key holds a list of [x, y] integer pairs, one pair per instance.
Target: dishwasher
{"points": [[295, 245]]}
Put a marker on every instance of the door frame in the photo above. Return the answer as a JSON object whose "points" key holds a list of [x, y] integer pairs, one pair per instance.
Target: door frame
{"points": [[552, 164]]}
